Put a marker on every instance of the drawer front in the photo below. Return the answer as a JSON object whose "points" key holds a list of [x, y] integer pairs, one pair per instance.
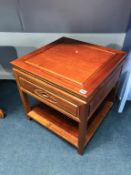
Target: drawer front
{"points": [[48, 97], [103, 91], [49, 87]]}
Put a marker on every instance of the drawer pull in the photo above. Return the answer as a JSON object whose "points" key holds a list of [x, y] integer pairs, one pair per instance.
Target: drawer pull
{"points": [[41, 93]]}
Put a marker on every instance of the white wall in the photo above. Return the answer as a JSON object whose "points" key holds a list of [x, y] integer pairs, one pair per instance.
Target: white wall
{"points": [[35, 40]]}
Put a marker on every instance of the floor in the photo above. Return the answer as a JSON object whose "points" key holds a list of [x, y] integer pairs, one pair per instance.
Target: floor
{"points": [[26, 148]]}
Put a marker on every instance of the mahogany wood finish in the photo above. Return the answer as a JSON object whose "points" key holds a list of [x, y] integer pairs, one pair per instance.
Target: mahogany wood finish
{"points": [[2, 114], [75, 81]]}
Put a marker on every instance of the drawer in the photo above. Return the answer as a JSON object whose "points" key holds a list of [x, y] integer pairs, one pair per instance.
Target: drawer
{"points": [[49, 87], [48, 97], [103, 91]]}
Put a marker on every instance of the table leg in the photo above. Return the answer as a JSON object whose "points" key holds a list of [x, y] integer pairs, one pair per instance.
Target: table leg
{"points": [[82, 130], [25, 101], [24, 97], [2, 114]]}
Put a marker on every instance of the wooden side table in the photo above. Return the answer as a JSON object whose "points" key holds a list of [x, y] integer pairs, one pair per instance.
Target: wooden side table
{"points": [[76, 83]]}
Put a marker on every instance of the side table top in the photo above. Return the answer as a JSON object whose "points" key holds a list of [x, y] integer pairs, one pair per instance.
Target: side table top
{"points": [[71, 64]]}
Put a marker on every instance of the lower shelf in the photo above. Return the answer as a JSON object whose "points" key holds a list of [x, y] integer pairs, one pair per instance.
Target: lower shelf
{"points": [[65, 127]]}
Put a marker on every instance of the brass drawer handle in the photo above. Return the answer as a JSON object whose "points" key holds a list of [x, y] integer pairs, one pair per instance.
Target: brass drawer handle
{"points": [[41, 93]]}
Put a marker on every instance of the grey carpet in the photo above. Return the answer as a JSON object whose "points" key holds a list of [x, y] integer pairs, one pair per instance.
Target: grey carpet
{"points": [[27, 148]]}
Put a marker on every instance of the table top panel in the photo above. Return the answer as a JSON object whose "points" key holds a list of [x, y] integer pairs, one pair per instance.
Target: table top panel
{"points": [[71, 64], [71, 61]]}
